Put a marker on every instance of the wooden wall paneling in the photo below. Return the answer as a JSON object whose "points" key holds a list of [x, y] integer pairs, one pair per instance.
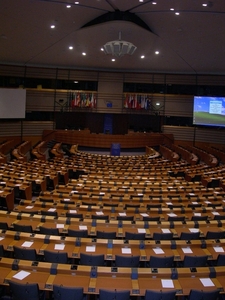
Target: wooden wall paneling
{"points": [[40, 100], [183, 133], [7, 70], [40, 72], [178, 105]]}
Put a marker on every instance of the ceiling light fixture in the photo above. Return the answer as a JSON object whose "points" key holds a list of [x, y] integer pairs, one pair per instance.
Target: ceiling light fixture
{"points": [[119, 48]]}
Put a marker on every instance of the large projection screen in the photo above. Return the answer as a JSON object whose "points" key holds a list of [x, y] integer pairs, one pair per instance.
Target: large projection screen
{"points": [[12, 103]]}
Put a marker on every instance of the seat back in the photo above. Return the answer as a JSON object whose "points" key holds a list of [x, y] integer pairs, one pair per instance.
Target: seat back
{"points": [[134, 236], [67, 293], [78, 233], [159, 295], [114, 294], [25, 291], [25, 253], [203, 295], [105, 235], [195, 261], [188, 236], [55, 257], [161, 262], [127, 261], [162, 236], [49, 231], [92, 260], [23, 228]]}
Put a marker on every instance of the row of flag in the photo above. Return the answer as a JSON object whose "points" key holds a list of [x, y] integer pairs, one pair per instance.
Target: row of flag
{"points": [[78, 99], [136, 101]]}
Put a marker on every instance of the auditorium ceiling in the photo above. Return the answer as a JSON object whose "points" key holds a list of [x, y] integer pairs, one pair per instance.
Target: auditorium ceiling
{"points": [[178, 36]]}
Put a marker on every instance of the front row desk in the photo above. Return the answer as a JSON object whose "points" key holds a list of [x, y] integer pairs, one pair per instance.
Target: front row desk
{"points": [[136, 280]]}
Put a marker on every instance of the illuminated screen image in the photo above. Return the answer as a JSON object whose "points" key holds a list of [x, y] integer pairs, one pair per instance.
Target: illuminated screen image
{"points": [[209, 111]]}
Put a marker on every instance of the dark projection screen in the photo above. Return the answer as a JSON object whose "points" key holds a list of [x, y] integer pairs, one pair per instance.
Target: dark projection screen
{"points": [[12, 103]]}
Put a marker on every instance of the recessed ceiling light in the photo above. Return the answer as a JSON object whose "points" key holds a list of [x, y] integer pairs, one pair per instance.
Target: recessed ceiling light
{"points": [[172, 8], [75, 81], [154, 3], [76, 2], [142, 56], [204, 4], [84, 53], [52, 26], [71, 47], [141, 0], [156, 52], [102, 49], [68, 6], [177, 13], [113, 59], [157, 103]]}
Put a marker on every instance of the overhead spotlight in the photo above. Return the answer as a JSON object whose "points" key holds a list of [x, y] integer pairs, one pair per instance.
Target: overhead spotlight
{"points": [[157, 52], [71, 47], [119, 48], [52, 26], [84, 53], [142, 56]]}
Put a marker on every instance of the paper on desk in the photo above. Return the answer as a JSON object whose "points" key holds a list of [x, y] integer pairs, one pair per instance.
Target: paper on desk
{"points": [[59, 225], [187, 250], [167, 283], [101, 193], [194, 202], [66, 199], [1, 238], [158, 251], [27, 244], [90, 249], [139, 194], [169, 203], [83, 227], [126, 250], [21, 275], [207, 202], [172, 215], [193, 229], [218, 249], [73, 211], [215, 213], [206, 282], [164, 230], [29, 207], [99, 213], [197, 214], [52, 209], [59, 247], [141, 230], [122, 214], [144, 215]]}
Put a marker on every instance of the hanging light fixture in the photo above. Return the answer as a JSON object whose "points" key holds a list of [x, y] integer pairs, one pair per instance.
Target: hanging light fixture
{"points": [[119, 48]]}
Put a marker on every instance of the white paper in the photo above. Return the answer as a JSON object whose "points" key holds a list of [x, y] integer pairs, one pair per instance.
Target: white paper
{"points": [[158, 251], [215, 213], [73, 211], [218, 249], [195, 202], [206, 282], [59, 225], [29, 207], [90, 249], [187, 250], [167, 283], [52, 209], [197, 214], [164, 230], [126, 250], [191, 194], [193, 229], [169, 203], [122, 214], [139, 194], [141, 230], [101, 194], [207, 202], [144, 215], [59, 247], [172, 215], [99, 213], [1, 238], [21, 275], [27, 244], [66, 199], [83, 227]]}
